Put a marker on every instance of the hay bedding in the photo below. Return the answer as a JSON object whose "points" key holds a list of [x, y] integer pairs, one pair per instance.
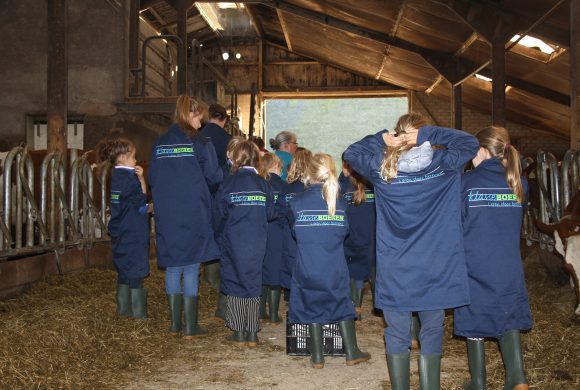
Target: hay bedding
{"points": [[64, 333]]}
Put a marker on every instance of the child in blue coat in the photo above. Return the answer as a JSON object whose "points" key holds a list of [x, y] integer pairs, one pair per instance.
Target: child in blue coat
{"points": [[359, 245], [128, 226], [295, 184], [244, 205], [493, 198], [319, 293], [183, 167], [420, 257], [270, 168]]}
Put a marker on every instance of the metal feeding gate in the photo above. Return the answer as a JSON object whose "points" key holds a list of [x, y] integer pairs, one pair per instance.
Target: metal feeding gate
{"points": [[557, 182], [60, 214]]}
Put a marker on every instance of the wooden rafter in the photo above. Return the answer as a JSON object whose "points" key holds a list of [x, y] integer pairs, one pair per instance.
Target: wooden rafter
{"points": [[255, 21], [284, 28]]}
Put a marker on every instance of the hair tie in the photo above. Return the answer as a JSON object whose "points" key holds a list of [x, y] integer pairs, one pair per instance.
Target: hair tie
{"points": [[505, 147]]}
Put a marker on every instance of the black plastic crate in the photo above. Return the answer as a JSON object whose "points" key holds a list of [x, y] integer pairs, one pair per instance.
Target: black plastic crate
{"points": [[298, 340]]}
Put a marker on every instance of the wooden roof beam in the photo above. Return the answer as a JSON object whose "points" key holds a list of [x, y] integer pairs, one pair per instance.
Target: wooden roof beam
{"points": [[255, 21], [284, 29]]}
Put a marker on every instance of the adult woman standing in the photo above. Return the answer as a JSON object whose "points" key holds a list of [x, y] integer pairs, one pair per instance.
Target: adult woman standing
{"points": [[284, 145], [420, 259], [493, 198], [183, 166]]}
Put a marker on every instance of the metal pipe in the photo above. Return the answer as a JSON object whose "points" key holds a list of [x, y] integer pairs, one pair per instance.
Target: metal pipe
{"points": [[7, 177], [105, 169], [144, 56], [566, 177], [31, 217], [19, 201], [555, 187]]}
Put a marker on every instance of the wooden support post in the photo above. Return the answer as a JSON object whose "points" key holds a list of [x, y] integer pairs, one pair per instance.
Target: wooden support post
{"points": [[260, 65], [456, 107], [252, 112], [134, 46], [57, 77], [182, 7], [498, 105], [575, 74]]}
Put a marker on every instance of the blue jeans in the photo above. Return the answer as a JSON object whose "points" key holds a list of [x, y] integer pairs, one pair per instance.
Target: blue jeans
{"points": [[190, 280], [133, 283], [398, 332]]}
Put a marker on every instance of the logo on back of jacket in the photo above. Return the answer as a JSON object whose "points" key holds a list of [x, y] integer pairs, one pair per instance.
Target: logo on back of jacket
{"points": [[248, 198], [319, 218], [369, 197], [115, 197], [174, 151], [492, 197], [403, 178]]}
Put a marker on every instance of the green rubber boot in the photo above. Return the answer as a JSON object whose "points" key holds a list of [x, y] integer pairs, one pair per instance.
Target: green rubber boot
{"points": [[222, 307], [211, 274], [353, 354], [429, 372], [274, 304], [263, 300], [237, 338], [356, 297], [399, 371], [175, 305], [415, 329], [511, 352], [476, 359], [251, 339], [316, 344], [192, 329], [139, 302], [124, 300]]}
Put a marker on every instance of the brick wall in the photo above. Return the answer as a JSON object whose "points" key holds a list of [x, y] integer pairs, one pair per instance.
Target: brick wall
{"points": [[525, 140]]}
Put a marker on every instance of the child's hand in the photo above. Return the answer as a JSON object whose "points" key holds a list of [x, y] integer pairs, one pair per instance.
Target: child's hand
{"points": [[139, 172]]}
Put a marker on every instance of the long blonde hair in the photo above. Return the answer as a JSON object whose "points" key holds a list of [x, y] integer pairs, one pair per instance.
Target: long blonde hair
{"points": [[186, 104], [299, 166], [496, 140], [405, 123], [323, 170], [267, 162]]}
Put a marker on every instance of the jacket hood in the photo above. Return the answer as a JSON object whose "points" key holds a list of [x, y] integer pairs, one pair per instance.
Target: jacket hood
{"points": [[416, 159]]}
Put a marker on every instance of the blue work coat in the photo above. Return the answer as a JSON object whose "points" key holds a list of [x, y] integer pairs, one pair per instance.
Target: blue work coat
{"points": [[180, 172], [219, 139], [273, 260], [320, 290], [420, 255], [244, 205], [129, 226], [492, 221], [289, 191], [359, 245]]}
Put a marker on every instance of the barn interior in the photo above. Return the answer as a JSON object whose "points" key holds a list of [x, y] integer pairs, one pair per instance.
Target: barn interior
{"points": [[76, 72]]}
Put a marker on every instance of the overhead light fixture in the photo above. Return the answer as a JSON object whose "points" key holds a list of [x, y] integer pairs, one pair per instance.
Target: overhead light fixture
{"points": [[481, 77], [238, 56], [226, 55]]}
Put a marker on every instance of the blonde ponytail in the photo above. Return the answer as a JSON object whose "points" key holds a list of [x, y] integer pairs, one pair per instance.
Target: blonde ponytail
{"points": [[496, 141], [405, 123], [323, 170]]}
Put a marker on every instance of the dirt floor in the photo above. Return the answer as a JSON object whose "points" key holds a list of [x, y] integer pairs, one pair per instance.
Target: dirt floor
{"points": [[63, 333]]}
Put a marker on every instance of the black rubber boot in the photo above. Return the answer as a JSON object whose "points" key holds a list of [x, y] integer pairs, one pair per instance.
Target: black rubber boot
{"points": [[476, 359], [175, 305], [139, 302], [192, 329], [274, 304], [415, 329], [124, 300], [222, 306], [399, 371], [316, 345], [211, 274], [511, 352], [263, 300], [429, 372], [353, 354], [237, 338], [251, 339]]}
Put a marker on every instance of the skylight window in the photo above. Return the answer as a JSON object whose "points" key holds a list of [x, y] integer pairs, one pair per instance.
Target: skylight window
{"points": [[536, 43], [481, 77]]}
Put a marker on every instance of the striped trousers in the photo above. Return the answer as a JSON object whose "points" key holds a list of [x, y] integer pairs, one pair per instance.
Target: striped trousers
{"points": [[243, 314]]}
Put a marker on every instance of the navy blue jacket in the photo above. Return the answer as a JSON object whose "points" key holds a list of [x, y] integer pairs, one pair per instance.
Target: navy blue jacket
{"points": [[492, 221], [359, 245], [273, 260], [244, 204], [320, 290], [420, 255], [129, 228], [219, 138], [289, 191], [180, 172]]}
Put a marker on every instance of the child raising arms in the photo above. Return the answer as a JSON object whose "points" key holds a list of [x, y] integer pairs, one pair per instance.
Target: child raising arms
{"points": [[128, 226]]}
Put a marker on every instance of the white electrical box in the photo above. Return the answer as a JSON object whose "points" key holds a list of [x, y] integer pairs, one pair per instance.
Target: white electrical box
{"points": [[39, 138]]}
